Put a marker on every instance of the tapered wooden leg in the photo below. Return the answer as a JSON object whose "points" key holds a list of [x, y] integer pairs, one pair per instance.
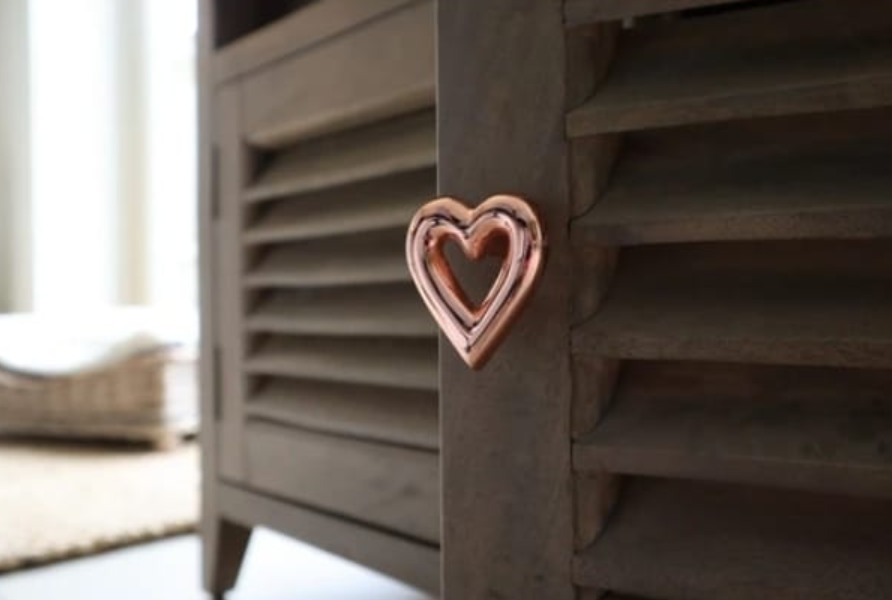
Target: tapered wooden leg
{"points": [[224, 545]]}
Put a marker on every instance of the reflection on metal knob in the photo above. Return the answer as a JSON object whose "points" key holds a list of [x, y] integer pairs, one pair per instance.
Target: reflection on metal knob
{"points": [[476, 331]]}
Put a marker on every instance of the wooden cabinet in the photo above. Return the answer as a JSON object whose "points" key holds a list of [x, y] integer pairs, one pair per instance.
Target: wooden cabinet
{"points": [[697, 404], [320, 364]]}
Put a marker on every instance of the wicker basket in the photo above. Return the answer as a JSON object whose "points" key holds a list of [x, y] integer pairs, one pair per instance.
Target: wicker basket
{"points": [[149, 397]]}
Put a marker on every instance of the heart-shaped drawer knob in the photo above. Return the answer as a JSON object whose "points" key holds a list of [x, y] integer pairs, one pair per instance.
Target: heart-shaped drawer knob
{"points": [[476, 331]]}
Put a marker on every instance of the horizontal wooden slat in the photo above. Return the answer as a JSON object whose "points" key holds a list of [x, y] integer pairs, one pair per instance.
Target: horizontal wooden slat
{"points": [[387, 148], [311, 25], [392, 311], [790, 427], [408, 364], [371, 259], [583, 12], [396, 488], [385, 67], [370, 206], [415, 563], [820, 176], [746, 64], [686, 541], [808, 303], [406, 417]]}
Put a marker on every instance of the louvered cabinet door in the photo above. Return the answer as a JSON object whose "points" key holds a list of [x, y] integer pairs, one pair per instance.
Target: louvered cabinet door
{"points": [[698, 404], [328, 361]]}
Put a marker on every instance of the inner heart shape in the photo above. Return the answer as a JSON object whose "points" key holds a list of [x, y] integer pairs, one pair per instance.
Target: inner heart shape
{"points": [[475, 331]]}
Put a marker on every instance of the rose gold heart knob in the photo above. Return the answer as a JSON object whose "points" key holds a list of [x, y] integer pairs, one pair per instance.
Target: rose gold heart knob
{"points": [[510, 222]]}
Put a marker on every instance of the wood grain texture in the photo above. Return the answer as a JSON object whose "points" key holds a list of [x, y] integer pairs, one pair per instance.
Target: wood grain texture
{"points": [[396, 488], [326, 369], [807, 303], [501, 103], [719, 145], [295, 32], [748, 64], [818, 429], [586, 12], [386, 311], [397, 416], [416, 563], [410, 364], [383, 69], [373, 205], [817, 176], [689, 541], [388, 148], [369, 259]]}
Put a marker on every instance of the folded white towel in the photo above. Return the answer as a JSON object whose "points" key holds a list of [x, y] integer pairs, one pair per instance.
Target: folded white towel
{"points": [[55, 345]]}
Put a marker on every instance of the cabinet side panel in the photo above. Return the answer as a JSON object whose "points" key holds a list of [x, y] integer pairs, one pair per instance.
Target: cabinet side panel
{"points": [[506, 429]]}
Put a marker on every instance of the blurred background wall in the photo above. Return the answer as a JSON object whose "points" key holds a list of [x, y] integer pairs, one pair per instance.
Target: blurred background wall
{"points": [[15, 243], [97, 154]]}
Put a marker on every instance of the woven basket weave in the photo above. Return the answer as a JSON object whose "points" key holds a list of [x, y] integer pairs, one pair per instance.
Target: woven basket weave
{"points": [[148, 397]]}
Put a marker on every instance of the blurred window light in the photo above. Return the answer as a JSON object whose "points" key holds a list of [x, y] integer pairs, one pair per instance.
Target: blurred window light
{"points": [[113, 165]]}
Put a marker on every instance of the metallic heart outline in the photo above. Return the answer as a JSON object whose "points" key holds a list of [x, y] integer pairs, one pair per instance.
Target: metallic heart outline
{"points": [[475, 332]]}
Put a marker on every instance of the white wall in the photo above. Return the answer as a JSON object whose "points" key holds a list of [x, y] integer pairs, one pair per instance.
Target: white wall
{"points": [[15, 285], [97, 154], [74, 160], [171, 82]]}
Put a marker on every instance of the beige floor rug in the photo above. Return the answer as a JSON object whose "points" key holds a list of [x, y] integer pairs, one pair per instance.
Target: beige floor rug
{"points": [[59, 500]]}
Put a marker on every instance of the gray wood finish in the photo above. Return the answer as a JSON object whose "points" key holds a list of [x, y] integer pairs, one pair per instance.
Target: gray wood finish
{"points": [[745, 65], [388, 310], [806, 428], [387, 486], [379, 150], [405, 417], [369, 259], [393, 77], [417, 564], [747, 319], [320, 406], [794, 302], [590, 55], [227, 268], [293, 33], [508, 529], [225, 541], [724, 302], [372, 205], [692, 541], [408, 364], [816, 176]]}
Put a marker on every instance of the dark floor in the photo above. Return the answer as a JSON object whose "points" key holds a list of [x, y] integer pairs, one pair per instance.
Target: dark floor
{"points": [[276, 568]]}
